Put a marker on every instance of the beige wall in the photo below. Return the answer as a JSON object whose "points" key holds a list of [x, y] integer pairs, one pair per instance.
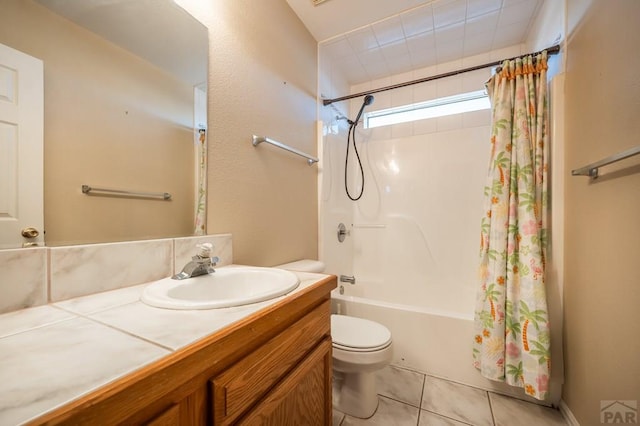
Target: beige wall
{"points": [[602, 239], [263, 71], [111, 120]]}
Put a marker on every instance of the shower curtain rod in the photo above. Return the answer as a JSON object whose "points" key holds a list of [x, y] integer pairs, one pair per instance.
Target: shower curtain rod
{"points": [[551, 51]]}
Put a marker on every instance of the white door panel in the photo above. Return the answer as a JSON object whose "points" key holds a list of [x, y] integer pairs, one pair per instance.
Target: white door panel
{"points": [[21, 147]]}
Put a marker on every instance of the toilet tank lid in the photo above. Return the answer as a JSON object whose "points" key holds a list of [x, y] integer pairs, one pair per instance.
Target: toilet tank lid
{"points": [[358, 333], [303, 265]]}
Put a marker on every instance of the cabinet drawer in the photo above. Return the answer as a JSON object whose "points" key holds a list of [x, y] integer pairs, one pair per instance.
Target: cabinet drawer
{"points": [[244, 383]]}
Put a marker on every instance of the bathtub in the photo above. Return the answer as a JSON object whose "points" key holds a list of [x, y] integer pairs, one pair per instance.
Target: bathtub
{"points": [[432, 341]]}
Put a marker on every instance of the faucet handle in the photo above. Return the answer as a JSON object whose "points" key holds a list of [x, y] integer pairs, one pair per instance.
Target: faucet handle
{"points": [[204, 250]]}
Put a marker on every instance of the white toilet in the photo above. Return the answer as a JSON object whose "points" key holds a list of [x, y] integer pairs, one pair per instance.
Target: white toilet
{"points": [[360, 348]]}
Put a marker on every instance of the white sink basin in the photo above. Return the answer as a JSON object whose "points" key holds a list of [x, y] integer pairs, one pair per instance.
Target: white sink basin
{"points": [[224, 288]]}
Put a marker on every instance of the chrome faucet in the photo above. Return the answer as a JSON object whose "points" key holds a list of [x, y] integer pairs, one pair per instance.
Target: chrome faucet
{"points": [[347, 279], [200, 264]]}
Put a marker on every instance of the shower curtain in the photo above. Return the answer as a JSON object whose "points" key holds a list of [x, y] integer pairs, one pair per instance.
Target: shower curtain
{"points": [[201, 183], [511, 341]]}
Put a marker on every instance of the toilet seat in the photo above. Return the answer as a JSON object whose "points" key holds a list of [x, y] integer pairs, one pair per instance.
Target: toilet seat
{"points": [[358, 334]]}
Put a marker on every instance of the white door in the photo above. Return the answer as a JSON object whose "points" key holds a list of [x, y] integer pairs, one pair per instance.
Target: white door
{"points": [[21, 149]]}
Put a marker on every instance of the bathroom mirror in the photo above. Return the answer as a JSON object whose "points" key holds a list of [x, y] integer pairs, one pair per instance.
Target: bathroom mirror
{"points": [[124, 109]]}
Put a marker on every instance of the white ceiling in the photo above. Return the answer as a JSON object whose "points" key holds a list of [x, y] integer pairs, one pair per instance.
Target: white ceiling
{"points": [[370, 39], [363, 39], [157, 30], [335, 17]]}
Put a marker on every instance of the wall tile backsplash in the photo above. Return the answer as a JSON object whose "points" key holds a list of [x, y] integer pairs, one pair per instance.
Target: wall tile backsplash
{"points": [[35, 276], [94, 268], [23, 278]]}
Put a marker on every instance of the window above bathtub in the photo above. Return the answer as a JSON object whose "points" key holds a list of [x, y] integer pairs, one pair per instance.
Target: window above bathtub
{"points": [[465, 102]]}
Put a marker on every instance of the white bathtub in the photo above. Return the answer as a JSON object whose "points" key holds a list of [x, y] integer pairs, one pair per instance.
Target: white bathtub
{"points": [[435, 342]]}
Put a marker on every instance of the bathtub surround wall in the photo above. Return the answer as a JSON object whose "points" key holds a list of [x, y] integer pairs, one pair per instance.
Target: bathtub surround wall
{"points": [[413, 246], [104, 110], [602, 290], [262, 81], [36, 276], [417, 223], [380, 221], [415, 230]]}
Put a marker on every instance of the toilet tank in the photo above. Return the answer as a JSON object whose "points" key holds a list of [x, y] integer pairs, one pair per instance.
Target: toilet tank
{"points": [[303, 265]]}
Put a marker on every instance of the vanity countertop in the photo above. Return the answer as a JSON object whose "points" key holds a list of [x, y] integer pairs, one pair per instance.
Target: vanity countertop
{"points": [[53, 354]]}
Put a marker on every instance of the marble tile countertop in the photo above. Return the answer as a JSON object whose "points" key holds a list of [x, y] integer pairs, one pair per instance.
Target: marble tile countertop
{"points": [[56, 353]]}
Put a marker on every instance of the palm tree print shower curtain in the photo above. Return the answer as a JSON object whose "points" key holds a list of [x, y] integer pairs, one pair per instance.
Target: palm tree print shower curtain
{"points": [[511, 341]]}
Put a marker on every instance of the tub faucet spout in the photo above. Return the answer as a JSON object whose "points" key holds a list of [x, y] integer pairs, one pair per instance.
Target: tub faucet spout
{"points": [[347, 279]]}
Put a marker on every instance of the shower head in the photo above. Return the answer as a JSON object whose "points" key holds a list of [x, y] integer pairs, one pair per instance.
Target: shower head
{"points": [[368, 100]]}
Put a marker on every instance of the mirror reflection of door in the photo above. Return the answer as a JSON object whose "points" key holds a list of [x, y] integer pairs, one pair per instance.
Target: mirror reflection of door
{"points": [[21, 149]]}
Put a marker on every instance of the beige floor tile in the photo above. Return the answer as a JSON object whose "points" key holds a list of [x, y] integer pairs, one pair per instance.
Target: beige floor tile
{"points": [[400, 384], [431, 419], [456, 401], [510, 411], [445, 403], [389, 413]]}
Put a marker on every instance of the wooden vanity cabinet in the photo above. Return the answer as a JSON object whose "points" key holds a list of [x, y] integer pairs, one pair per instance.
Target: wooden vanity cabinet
{"points": [[170, 416], [271, 368], [245, 383]]}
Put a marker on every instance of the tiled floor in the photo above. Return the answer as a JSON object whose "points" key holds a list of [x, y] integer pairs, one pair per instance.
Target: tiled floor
{"points": [[415, 399]]}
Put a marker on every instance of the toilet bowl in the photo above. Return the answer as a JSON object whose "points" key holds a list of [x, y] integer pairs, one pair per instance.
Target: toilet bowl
{"points": [[360, 348]]}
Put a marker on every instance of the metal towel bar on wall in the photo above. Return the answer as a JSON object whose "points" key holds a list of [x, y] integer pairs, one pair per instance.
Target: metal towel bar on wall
{"points": [[259, 139], [86, 189], [591, 170]]}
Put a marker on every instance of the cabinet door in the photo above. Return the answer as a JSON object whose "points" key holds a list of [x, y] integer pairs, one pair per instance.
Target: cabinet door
{"points": [[249, 380], [303, 397], [190, 411]]}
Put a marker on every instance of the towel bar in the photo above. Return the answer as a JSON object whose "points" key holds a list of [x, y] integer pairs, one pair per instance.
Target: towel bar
{"points": [[86, 189], [259, 139], [591, 170]]}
